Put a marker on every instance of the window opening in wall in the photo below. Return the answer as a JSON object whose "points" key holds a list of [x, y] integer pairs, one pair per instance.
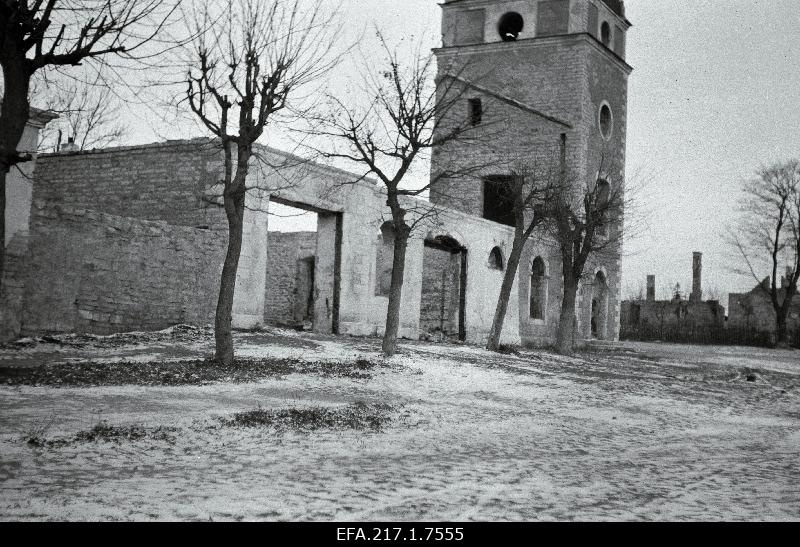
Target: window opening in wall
{"points": [[497, 199], [496, 259], [475, 111], [538, 288], [605, 34], [510, 25], [606, 121]]}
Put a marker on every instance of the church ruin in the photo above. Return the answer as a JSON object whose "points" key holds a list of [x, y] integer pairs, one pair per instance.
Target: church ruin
{"points": [[126, 238]]}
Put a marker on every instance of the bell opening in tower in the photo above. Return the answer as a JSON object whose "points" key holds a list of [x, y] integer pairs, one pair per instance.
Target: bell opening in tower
{"points": [[510, 26]]}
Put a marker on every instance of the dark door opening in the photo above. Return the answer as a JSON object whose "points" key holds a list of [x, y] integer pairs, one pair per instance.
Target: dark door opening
{"points": [[304, 260], [498, 202], [443, 305]]}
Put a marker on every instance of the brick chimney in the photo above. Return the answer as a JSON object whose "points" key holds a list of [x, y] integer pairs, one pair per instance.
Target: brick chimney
{"points": [[651, 288], [70, 146], [697, 277]]}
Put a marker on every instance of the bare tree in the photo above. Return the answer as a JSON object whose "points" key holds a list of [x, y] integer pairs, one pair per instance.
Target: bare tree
{"points": [[87, 115], [768, 234], [254, 58], [407, 114], [39, 34], [586, 223], [525, 192]]}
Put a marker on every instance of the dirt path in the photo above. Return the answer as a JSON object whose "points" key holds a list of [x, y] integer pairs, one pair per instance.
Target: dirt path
{"points": [[632, 432]]}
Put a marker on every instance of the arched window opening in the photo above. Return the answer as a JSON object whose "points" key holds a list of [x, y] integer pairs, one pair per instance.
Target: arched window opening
{"points": [[510, 25], [383, 260], [496, 259], [605, 34], [475, 111], [606, 121], [538, 294]]}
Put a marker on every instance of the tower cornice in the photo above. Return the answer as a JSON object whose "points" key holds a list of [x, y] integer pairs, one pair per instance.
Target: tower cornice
{"points": [[533, 43]]}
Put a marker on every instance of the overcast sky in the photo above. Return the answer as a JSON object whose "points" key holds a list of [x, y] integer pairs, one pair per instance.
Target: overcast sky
{"points": [[714, 93]]}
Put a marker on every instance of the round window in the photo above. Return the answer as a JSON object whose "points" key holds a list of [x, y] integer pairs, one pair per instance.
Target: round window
{"points": [[606, 121], [511, 24]]}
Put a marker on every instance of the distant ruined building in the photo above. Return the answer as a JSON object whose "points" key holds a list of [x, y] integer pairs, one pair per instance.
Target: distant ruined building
{"points": [[125, 239], [754, 309], [676, 312]]}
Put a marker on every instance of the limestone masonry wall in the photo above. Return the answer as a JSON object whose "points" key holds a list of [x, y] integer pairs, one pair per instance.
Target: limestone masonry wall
{"points": [[284, 250], [100, 273], [154, 182]]}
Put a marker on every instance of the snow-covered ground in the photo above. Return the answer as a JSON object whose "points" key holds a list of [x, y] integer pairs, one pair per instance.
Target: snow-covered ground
{"points": [[633, 432]]}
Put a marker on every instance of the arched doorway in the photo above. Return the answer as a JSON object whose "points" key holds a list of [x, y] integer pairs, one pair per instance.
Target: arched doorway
{"points": [[599, 311]]}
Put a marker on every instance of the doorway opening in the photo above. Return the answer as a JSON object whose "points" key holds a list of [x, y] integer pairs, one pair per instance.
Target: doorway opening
{"points": [[303, 267], [444, 290]]}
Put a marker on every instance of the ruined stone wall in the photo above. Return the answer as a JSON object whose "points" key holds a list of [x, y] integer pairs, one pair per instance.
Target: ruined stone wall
{"points": [[284, 250], [754, 310], [674, 313], [163, 181], [97, 272], [100, 273]]}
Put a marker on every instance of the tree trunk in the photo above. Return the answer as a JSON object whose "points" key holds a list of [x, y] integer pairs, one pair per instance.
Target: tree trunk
{"points": [[505, 293], [783, 331], [401, 235], [14, 114], [234, 207], [565, 340]]}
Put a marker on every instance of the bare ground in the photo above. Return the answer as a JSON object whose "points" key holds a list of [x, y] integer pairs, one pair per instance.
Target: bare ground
{"points": [[321, 428]]}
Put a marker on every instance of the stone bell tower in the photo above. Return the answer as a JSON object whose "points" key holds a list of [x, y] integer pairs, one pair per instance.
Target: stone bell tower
{"points": [[539, 69], [541, 81]]}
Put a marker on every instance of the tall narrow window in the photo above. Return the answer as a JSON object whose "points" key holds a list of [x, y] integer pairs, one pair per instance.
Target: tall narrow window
{"points": [[496, 259], [475, 111], [538, 289], [605, 120], [605, 34]]}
